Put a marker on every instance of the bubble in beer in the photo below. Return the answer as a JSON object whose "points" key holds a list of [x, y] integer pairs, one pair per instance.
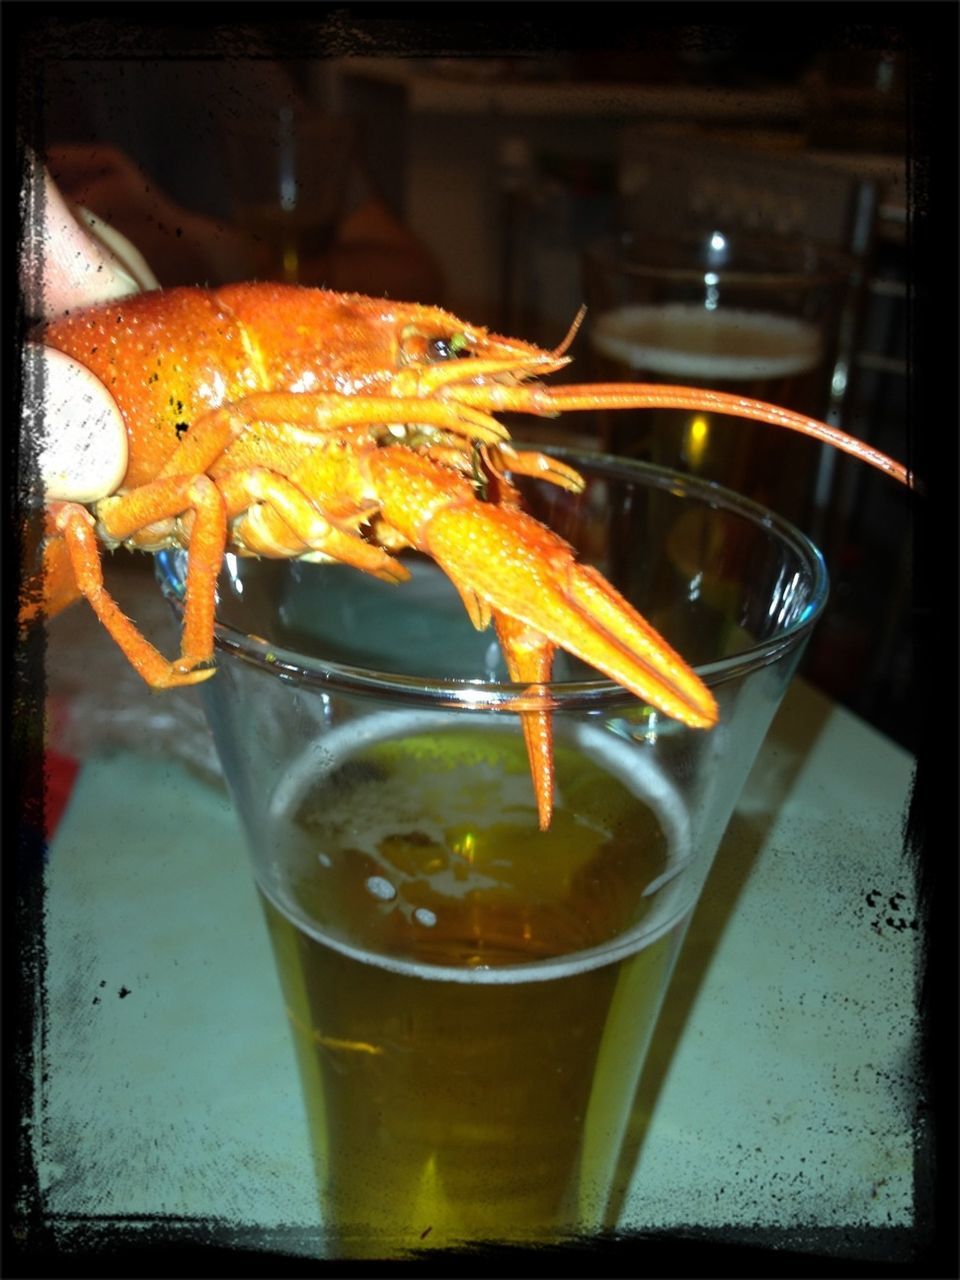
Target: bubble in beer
{"points": [[381, 888], [426, 917]]}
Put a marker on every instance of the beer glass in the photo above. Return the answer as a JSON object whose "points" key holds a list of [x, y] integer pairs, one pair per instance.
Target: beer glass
{"points": [[289, 172], [763, 318], [470, 998]]}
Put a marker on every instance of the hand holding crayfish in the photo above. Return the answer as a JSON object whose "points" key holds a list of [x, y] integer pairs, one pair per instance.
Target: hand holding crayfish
{"points": [[271, 420]]}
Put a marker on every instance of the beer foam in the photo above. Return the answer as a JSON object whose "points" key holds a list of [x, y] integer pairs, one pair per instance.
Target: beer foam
{"points": [[629, 763], [685, 341]]}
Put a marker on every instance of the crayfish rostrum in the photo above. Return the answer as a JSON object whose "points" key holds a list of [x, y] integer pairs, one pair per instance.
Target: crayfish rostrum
{"points": [[272, 420]]}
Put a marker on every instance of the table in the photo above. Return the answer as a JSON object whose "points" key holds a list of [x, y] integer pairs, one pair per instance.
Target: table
{"points": [[781, 1079]]}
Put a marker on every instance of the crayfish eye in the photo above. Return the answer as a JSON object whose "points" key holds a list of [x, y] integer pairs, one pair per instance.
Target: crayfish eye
{"points": [[418, 347], [453, 348]]}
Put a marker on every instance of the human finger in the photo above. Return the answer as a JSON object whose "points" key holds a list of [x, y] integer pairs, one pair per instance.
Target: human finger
{"points": [[65, 263]]}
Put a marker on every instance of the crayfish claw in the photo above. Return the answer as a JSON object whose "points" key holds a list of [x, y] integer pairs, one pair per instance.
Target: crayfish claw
{"points": [[183, 673], [529, 659], [542, 599], [529, 573]]}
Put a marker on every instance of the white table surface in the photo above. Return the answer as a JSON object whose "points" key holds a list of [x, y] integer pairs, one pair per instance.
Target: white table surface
{"points": [[782, 1071]]}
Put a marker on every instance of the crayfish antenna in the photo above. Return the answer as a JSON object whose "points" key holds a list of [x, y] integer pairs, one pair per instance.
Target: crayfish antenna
{"points": [[572, 332], [616, 395], [551, 401]]}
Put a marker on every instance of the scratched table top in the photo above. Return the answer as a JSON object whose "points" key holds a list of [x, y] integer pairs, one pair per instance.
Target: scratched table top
{"points": [[781, 1083]]}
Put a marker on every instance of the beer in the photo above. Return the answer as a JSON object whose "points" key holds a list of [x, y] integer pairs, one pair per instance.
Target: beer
{"points": [[470, 997], [752, 352], [757, 354], [292, 239]]}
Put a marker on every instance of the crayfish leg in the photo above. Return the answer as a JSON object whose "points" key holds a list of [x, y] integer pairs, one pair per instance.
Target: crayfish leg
{"points": [[540, 466], [75, 524], [55, 587], [274, 518], [122, 517]]}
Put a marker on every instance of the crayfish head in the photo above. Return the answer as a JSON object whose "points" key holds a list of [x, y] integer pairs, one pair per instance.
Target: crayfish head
{"points": [[437, 351]]}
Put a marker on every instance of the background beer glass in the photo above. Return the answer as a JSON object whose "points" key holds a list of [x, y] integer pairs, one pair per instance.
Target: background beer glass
{"points": [[289, 171], [764, 318], [471, 998]]}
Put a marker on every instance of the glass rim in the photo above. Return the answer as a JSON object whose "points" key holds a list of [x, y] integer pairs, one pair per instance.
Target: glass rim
{"points": [[833, 266], [487, 695]]}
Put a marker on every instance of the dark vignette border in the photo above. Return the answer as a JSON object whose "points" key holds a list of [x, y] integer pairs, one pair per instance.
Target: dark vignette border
{"points": [[928, 31]]}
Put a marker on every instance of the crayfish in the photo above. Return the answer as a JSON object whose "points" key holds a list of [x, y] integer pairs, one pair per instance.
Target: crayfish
{"points": [[271, 420]]}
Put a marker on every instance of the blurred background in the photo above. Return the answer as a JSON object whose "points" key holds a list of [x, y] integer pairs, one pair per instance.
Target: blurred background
{"points": [[695, 174]]}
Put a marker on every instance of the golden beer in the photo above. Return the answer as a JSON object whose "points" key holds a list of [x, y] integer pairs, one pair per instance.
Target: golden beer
{"points": [[471, 998], [291, 239], [756, 354], [759, 353]]}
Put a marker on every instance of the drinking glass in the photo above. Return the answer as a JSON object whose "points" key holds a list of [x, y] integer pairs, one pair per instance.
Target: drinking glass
{"points": [[759, 317], [289, 171], [470, 998]]}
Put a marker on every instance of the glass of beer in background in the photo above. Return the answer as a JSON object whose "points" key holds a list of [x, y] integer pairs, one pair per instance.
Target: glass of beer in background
{"points": [[471, 998], [761, 318], [289, 171]]}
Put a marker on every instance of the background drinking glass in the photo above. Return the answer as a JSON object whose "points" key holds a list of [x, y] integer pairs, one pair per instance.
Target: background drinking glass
{"points": [[470, 998], [289, 172], [760, 318]]}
